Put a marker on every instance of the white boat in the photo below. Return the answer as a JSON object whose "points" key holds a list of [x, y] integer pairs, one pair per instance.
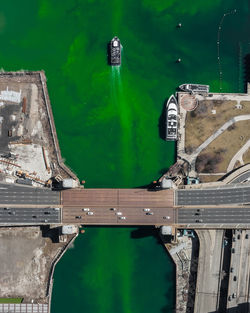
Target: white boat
{"points": [[194, 88], [171, 119]]}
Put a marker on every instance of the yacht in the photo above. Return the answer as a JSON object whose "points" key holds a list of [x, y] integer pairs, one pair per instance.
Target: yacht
{"points": [[115, 52], [194, 88], [171, 119]]}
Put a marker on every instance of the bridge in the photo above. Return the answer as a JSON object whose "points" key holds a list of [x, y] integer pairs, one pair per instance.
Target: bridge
{"points": [[226, 206]]}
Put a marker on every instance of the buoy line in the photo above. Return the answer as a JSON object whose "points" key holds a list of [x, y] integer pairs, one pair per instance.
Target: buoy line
{"points": [[218, 45]]}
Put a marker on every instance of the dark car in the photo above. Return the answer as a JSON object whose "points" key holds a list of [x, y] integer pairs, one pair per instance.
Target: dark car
{"points": [[235, 278], [233, 250], [79, 217], [246, 236], [238, 236], [46, 212]]}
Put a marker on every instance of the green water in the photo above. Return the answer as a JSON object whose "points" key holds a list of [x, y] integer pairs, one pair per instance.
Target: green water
{"points": [[107, 119]]}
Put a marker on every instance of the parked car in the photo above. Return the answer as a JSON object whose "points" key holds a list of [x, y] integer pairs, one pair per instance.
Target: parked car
{"points": [[232, 270], [118, 213], [146, 210], [78, 217], [235, 278], [233, 250], [90, 213], [122, 217], [149, 213], [238, 236], [246, 236]]}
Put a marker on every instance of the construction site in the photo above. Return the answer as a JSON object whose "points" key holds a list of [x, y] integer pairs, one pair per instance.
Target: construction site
{"points": [[29, 151]]}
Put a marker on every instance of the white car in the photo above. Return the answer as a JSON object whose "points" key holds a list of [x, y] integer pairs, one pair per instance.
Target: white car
{"points": [[118, 213], [85, 209], [166, 217], [57, 209], [90, 213], [122, 217], [146, 210]]}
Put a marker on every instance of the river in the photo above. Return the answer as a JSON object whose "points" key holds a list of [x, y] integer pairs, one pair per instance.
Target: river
{"points": [[108, 119]]}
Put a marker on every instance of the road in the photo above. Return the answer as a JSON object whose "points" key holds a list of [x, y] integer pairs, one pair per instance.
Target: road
{"points": [[233, 194], [215, 215], [11, 194], [130, 203], [104, 197], [238, 288], [17, 215], [241, 178], [106, 216], [209, 267]]}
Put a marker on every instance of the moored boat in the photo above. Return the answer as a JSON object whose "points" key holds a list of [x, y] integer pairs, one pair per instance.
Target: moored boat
{"points": [[171, 119], [194, 88]]}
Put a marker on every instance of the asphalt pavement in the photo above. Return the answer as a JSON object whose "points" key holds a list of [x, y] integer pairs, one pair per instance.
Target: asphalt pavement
{"points": [[235, 194], [216, 215], [21, 216], [238, 288], [209, 268], [15, 194]]}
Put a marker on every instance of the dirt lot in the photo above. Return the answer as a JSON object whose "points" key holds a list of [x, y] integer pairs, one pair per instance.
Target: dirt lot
{"points": [[209, 178], [201, 123], [216, 157], [25, 258]]}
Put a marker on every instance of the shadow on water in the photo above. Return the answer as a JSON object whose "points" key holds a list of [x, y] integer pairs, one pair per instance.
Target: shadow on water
{"points": [[144, 232], [162, 122], [246, 70]]}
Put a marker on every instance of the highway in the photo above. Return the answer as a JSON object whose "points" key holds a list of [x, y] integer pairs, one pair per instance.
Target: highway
{"points": [[209, 268], [215, 215], [241, 178], [238, 288], [18, 215], [11, 194], [231, 194]]}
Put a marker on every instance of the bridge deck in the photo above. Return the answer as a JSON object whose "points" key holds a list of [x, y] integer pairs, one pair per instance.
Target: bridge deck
{"points": [[130, 202]]}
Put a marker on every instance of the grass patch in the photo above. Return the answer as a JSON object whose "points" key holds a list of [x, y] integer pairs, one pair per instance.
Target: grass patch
{"points": [[201, 123], [216, 157], [11, 300]]}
